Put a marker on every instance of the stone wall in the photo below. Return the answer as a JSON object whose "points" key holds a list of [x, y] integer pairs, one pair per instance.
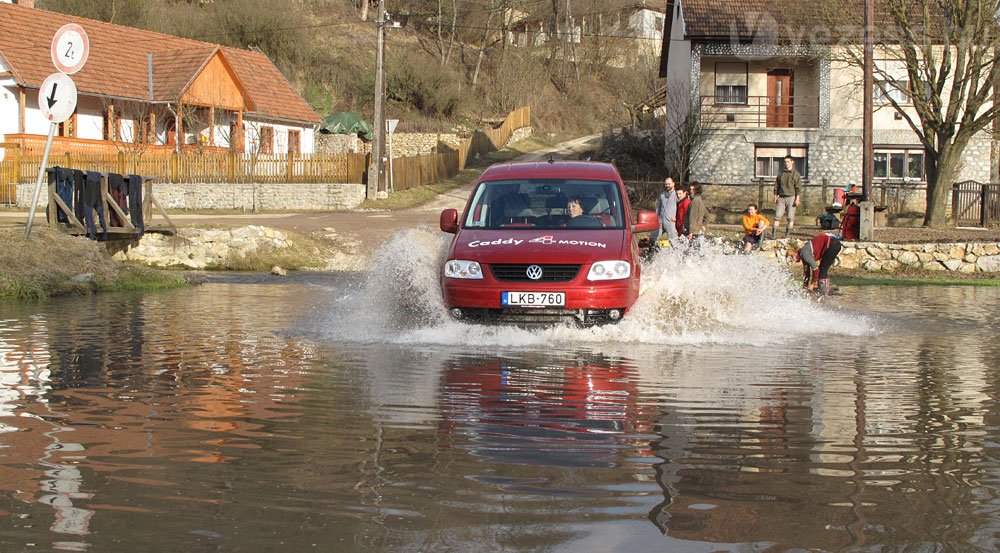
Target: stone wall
{"points": [[873, 256], [406, 144], [200, 248], [249, 197], [727, 156], [339, 143], [520, 134]]}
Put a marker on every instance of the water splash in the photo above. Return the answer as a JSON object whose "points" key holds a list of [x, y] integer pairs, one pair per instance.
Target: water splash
{"points": [[687, 297]]}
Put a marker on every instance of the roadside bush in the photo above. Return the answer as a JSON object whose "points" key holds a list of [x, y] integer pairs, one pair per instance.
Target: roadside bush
{"points": [[639, 155]]}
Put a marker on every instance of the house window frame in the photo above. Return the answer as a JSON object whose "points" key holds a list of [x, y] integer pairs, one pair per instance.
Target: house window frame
{"points": [[294, 137], [775, 154], [906, 152], [732, 96], [266, 139], [898, 88]]}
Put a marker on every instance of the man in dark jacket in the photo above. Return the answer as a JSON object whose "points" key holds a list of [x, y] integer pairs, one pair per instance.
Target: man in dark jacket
{"points": [[698, 213], [787, 192], [817, 256]]}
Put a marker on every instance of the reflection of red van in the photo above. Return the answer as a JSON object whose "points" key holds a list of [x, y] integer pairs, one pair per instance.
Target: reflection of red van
{"points": [[544, 242], [530, 413]]}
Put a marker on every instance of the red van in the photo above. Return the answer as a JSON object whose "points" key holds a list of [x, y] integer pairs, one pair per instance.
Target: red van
{"points": [[542, 242]]}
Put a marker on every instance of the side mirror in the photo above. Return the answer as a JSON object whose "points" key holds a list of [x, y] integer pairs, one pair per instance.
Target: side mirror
{"points": [[449, 220], [647, 222]]}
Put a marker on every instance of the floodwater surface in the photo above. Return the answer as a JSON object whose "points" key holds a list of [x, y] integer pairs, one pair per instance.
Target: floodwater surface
{"points": [[347, 413]]}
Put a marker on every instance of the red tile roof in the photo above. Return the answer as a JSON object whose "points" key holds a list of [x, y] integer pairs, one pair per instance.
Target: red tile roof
{"points": [[117, 65]]}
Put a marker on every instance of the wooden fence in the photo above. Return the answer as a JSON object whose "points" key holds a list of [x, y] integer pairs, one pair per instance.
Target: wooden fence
{"points": [[413, 171], [975, 203], [224, 166]]}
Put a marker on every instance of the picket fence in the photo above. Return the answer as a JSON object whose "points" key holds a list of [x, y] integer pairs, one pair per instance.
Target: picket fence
{"points": [[20, 164]]}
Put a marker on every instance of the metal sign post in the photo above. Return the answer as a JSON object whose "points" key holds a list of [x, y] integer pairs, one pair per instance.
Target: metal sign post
{"points": [[38, 182], [70, 49], [390, 127], [57, 100]]}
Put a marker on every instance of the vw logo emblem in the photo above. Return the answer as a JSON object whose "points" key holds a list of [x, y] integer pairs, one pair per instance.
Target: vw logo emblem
{"points": [[534, 272]]}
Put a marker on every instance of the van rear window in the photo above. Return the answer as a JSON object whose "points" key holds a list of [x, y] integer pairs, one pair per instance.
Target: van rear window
{"points": [[546, 204]]}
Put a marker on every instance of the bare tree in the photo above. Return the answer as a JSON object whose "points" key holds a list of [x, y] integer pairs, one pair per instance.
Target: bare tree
{"points": [[687, 131], [950, 50], [130, 127]]}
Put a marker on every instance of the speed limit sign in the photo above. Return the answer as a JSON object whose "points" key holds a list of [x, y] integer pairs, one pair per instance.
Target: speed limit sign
{"points": [[70, 48]]}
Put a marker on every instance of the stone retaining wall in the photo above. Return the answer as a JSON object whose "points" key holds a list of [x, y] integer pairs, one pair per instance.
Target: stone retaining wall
{"points": [[248, 197], [871, 256], [200, 248]]}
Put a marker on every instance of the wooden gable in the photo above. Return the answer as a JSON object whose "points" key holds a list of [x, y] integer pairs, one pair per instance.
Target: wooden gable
{"points": [[216, 85]]}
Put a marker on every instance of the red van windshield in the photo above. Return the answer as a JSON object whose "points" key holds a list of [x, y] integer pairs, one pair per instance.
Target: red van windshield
{"points": [[546, 204]]}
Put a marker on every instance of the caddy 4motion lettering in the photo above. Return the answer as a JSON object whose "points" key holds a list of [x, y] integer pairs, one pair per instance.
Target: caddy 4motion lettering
{"points": [[544, 242]]}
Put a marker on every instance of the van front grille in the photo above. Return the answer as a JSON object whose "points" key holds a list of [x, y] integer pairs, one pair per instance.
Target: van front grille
{"points": [[518, 272]]}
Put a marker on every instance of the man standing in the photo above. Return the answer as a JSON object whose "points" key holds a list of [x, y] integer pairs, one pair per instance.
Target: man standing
{"points": [[817, 256], [697, 213], [787, 191], [666, 211]]}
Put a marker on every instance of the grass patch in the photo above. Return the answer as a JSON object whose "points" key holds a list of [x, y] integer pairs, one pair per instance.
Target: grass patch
{"points": [[139, 278], [405, 199], [302, 252], [52, 263]]}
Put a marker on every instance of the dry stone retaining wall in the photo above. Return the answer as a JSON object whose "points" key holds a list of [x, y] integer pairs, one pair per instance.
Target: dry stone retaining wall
{"points": [[873, 256], [243, 196], [202, 248]]}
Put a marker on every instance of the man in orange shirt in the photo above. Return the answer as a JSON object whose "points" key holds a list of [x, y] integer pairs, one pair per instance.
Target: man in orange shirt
{"points": [[754, 225]]}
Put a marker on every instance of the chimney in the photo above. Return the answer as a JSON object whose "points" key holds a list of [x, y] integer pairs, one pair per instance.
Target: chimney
{"points": [[25, 3]]}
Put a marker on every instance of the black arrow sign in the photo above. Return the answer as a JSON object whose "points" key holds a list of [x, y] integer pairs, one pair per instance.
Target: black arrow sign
{"points": [[52, 97]]}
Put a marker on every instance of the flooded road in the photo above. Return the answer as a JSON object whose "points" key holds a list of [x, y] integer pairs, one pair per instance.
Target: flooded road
{"points": [[346, 413]]}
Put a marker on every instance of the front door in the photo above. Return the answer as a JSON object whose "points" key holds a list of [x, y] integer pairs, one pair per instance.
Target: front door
{"points": [[779, 98]]}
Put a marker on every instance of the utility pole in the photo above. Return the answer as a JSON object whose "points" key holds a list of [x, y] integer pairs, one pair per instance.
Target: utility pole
{"points": [[375, 172], [867, 230]]}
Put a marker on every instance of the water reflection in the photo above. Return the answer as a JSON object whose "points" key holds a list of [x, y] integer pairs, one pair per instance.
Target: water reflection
{"points": [[215, 418], [527, 410]]}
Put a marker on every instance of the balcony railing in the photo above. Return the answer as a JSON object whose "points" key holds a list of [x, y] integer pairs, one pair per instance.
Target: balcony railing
{"points": [[789, 112]]}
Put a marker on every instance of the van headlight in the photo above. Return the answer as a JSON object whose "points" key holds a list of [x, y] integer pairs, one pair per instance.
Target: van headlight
{"points": [[610, 270], [459, 268]]}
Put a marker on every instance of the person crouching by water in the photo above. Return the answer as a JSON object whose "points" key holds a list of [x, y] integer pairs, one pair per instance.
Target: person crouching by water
{"points": [[754, 226], [817, 256]]}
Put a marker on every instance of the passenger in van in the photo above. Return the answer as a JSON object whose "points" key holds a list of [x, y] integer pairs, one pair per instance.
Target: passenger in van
{"points": [[574, 207]]}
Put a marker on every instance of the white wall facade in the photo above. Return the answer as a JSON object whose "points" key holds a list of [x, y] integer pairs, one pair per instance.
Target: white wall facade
{"points": [[90, 123], [307, 143]]}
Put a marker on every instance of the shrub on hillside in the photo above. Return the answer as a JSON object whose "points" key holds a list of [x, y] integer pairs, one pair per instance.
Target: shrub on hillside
{"points": [[435, 91], [639, 155]]}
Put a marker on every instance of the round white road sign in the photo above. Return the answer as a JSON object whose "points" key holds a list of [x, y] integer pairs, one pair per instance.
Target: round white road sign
{"points": [[57, 97], [70, 48]]}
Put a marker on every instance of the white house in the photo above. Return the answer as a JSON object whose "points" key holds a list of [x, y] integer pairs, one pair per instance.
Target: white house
{"points": [[767, 80]]}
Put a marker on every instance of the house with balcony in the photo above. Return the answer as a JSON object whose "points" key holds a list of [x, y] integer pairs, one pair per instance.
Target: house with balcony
{"points": [[767, 78], [145, 90]]}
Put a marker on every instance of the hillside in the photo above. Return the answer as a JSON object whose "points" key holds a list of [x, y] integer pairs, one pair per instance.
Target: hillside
{"points": [[436, 78]]}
